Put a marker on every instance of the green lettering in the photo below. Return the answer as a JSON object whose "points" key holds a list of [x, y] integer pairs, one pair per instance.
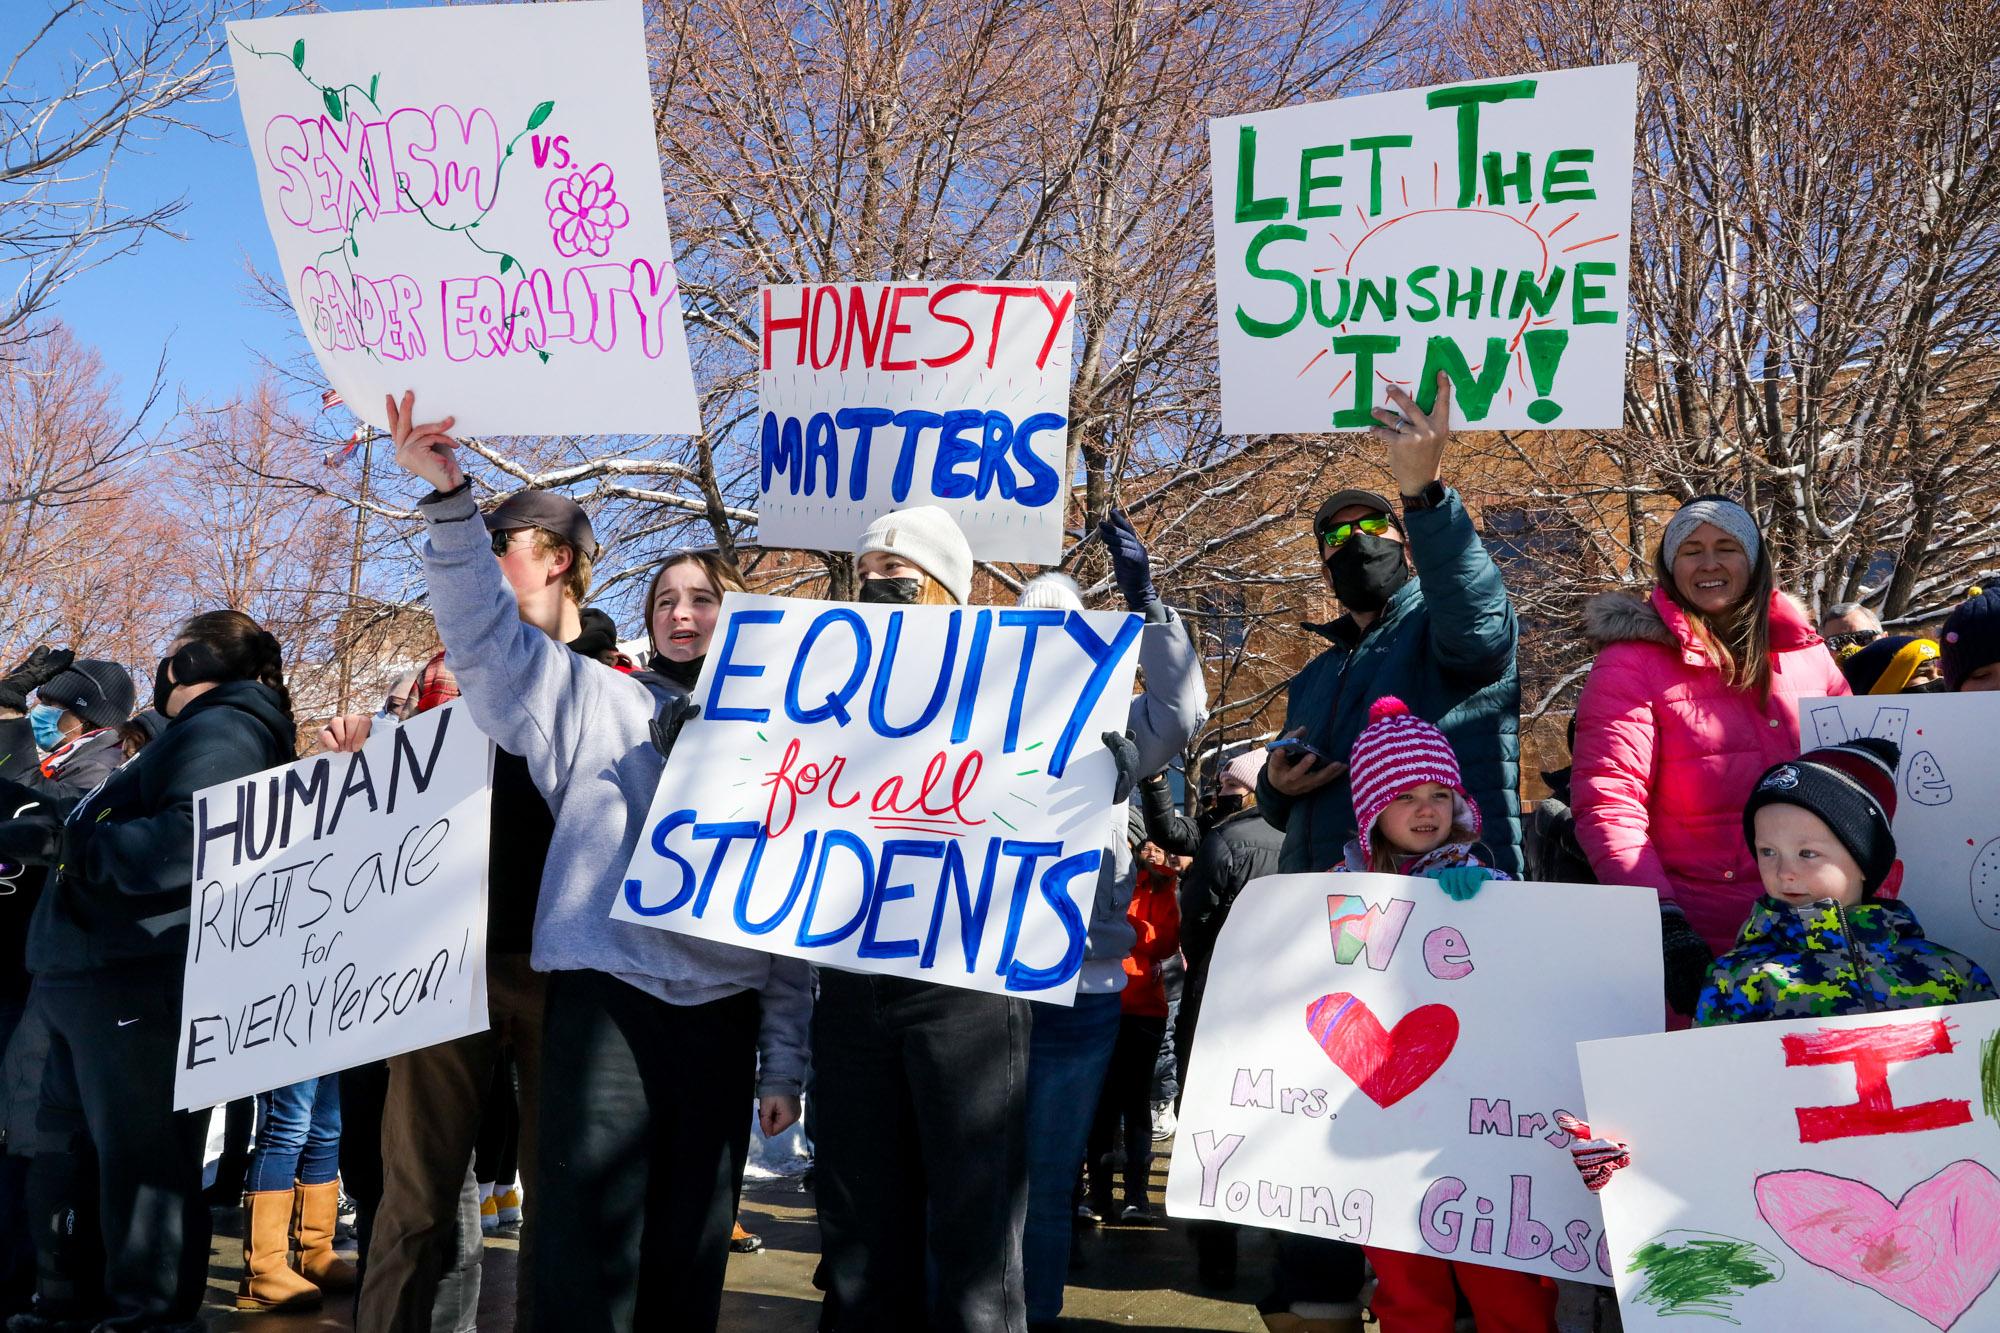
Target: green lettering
{"points": [[1545, 349], [1249, 208], [1374, 144], [1468, 297], [1557, 183], [1252, 262], [1528, 292], [1384, 297], [1363, 347], [1522, 178], [1418, 277], [1472, 396], [1584, 290], [1319, 311], [1310, 181], [1467, 99]]}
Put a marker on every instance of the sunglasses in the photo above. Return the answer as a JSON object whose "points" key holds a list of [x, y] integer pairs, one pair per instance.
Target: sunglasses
{"points": [[1856, 638], [505, 538], [1341, 533]]}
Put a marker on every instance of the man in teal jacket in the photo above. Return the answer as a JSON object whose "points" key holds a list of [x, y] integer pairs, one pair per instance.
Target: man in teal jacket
{"points": [[1443, 642]]}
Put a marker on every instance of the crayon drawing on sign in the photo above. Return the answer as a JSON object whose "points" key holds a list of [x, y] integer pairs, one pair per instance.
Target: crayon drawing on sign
{"points": [[1700, 1273], [1934, 1251], [1387, 1064]]}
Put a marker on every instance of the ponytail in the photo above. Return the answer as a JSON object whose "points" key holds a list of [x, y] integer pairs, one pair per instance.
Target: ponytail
{"points": [[245, 648]]}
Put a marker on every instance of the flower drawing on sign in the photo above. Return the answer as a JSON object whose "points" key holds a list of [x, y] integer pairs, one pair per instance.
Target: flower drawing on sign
{"points": [[584, 211]]}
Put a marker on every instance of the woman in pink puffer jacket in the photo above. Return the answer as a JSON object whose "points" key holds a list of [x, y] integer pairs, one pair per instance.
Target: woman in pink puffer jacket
{"points": [[1695, 692]]}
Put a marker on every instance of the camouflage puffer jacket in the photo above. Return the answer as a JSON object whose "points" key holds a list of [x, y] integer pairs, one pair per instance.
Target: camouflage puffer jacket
{"points": [[1824, 960]]}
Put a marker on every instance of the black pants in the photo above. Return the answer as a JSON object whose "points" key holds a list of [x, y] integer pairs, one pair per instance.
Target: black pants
{"points": [[496, 1154], [643, 1137], [107, 1095], [920, 1154], [1128, 1097]]}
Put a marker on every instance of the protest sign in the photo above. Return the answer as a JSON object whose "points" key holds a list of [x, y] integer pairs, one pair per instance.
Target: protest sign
{"points": [[466, 202], [1822, 1173], [877, 395], [1481, 229], [915, 791], [1947, 822], [338, 911], [1379, 1064]]}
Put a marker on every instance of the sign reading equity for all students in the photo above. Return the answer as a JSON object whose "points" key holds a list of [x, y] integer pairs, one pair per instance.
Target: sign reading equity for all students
{"points": [[1829, 1173], [1947, 823], [467, 202], [916, 791], [1379, 1064], [877, 395], [338, 912], [1480, 229]]}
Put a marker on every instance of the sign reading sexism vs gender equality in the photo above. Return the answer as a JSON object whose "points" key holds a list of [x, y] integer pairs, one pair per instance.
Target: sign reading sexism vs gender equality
{"points": [[1379, 1064], [1828, 1173], [1479, 229], [338, 911], [877, 395], [916, 791], [467, 202], [1947, 823]]}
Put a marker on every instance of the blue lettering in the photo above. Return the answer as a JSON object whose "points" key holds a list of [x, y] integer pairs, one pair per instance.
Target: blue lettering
{"points": [[725, 668], [1032, 622], [1055, 891], [886, 893], [743, 887], [807, 937], [968, 688], [1017, 906], [1106, 657], [953, 449], [782, 451], [822, 446], [634, 889], [971, 915], [1044, 481], [836, 703], [880, 695], [726, 834], [993, 446], [914, 422], [863, 422]]}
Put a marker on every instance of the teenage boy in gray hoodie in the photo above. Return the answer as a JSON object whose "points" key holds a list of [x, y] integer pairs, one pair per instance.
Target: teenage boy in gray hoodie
{"points": [[651, 1039]]}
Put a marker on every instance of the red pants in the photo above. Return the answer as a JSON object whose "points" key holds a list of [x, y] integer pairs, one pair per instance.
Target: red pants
{"points": [[1414, 1293]]}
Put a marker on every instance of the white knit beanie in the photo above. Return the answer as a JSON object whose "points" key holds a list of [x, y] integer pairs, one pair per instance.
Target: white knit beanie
{"points": [[1052, 592], [928, 538]]}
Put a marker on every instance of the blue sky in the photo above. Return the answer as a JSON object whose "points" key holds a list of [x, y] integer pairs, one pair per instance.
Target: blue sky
{"points": [[188, 296]]}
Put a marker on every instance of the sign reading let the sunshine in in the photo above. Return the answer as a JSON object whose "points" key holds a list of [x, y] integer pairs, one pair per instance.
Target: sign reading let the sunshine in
{"points": [[466, 202], [1479, 229], [877, 395], [917, 791]]}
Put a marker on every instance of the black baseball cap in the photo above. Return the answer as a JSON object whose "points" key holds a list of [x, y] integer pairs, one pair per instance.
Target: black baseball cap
{"points": [[1349, 499], [548, 511]]}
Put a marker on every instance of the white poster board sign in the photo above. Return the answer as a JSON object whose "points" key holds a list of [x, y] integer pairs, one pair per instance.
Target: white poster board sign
{"points": [[1379, 1064], [1947, 821], [338, 911], [466, 202], [1482, 229], [1817, 1173], [915, 791], [877, 395]]}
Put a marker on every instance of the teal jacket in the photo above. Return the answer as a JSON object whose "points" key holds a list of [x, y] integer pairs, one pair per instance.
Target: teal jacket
{"points": [[1445, 646], [1823, 960]]}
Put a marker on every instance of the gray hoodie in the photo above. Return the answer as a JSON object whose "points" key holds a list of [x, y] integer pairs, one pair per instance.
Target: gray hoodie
{"points": [[1162, 720], [582, 727]]}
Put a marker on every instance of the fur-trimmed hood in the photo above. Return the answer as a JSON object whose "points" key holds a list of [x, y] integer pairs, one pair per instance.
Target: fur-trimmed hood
{"points": [[1619, 617]]}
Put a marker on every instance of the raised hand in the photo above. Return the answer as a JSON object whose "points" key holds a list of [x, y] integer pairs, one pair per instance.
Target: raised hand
{"points": [[1131, 567], [34, 671], [345, 735], [1416, 439], [424, 450]]}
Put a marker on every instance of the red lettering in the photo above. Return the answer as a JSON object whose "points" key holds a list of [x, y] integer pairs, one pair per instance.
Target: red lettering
{"points": [[1058, 311], [870, 335], [888, 798], [1001, 296], [1871, 1051], [943, 294], [789, 787], [774, 326], [820, 322], [889, 361]]}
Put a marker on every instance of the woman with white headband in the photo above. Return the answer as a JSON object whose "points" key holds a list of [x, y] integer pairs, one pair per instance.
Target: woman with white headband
{"points": [[1694, 693]]}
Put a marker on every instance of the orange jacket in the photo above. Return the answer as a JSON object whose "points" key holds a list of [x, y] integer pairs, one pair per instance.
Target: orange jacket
{"points": [[1155, 915]]}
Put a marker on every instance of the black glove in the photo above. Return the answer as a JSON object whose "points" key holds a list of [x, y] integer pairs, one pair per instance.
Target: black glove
{"points": [[1687, 957], [30, 840], [1126, 756], [1131, 567], [36, 670], [666, 726]]}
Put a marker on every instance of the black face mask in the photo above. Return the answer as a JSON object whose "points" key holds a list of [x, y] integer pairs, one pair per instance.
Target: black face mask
{"points": [[900, 592], [683, 674], [1226, 805], [1367, 571], [193, 664]]}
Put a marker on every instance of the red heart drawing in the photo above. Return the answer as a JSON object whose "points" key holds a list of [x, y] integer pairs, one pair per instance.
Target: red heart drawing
{"points": [[1386, 1064]]}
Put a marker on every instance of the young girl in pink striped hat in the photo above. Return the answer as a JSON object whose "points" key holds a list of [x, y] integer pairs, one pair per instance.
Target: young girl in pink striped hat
{"points": [[1415, 819]]}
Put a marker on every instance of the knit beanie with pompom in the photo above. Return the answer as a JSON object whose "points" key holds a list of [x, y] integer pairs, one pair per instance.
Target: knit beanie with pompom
{"points": [[1395, 752]]}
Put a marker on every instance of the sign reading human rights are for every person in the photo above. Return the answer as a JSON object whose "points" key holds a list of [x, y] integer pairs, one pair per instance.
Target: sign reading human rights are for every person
{"points": [[877, 395], [1377, 1063], [466, 202], [915, 791], [1480, 229], [338, 912]]}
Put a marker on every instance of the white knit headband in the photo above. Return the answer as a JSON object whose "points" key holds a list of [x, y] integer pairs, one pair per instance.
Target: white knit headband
{"points": [[1731, 517]]}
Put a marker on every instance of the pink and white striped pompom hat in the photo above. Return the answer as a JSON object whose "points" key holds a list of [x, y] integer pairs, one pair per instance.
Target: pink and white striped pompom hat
{"points": [[1396, 751]]}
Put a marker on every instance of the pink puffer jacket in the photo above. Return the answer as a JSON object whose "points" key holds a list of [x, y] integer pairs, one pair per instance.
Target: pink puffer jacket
{"points": [[1667, 754]]}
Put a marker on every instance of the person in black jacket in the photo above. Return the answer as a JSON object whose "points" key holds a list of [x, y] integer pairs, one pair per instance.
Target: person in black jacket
{"points": [[107, 947]]}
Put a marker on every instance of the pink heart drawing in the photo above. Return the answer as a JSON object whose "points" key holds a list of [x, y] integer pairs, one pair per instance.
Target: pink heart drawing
{"points": [[1934, 1251], [1388, 1064]]}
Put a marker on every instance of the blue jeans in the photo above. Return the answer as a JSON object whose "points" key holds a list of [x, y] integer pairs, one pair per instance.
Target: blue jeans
{"points": [[298, 1136], [1068, 1052]]}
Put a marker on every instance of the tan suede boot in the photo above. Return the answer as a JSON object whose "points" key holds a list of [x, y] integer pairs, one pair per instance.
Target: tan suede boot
{"points": [[268, 1280], [318, 1213]]}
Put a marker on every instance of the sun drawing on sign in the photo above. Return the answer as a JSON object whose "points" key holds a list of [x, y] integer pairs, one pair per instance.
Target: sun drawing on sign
{"points": [[1511, 298]]}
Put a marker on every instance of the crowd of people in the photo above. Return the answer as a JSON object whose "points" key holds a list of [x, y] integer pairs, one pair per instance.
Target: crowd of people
{"points": [[960, 1138]]}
